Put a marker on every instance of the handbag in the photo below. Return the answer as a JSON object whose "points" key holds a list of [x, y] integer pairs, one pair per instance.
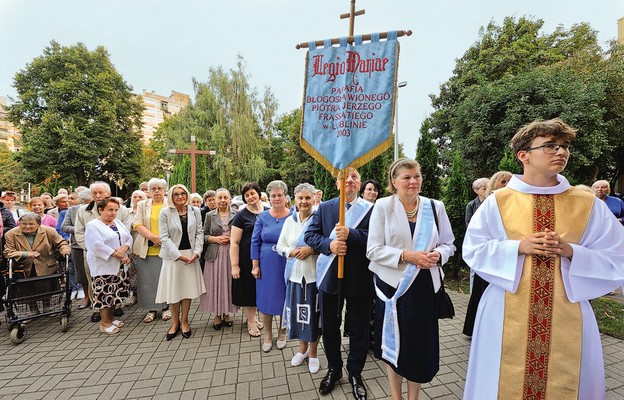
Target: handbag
{"points": [[446, 310]]}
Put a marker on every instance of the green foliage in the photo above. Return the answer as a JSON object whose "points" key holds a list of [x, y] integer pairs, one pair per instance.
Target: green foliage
{"points": [[78, 118], [429, 159], [296, 166], [227, 117], [509, 162], [455, 200], [11, 171], [516, 73]]}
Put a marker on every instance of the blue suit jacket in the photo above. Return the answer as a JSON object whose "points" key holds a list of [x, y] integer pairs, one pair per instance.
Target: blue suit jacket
{"points": [[357, 278]]}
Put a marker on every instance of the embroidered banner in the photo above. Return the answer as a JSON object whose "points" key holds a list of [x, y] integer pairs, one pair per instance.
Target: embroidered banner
{"points": [[348, 105]]}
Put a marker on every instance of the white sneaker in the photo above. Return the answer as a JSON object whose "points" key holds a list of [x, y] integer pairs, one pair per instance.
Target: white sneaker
{"points": [[130, 301], [73, 294], [299, 358], [80, 294], [313, 365]]}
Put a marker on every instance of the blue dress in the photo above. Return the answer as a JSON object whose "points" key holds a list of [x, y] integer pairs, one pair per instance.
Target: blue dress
{"points": [[270, 288]]}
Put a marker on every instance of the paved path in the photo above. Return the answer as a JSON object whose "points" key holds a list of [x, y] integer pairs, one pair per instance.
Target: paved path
{"points": [[82, 363]]}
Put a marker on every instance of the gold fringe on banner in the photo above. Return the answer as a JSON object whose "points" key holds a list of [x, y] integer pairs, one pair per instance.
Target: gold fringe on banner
{"points": [[371, 154]]}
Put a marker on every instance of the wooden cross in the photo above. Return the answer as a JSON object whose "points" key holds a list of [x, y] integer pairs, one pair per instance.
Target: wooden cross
{"points": [[351, 15], [193, 151]]}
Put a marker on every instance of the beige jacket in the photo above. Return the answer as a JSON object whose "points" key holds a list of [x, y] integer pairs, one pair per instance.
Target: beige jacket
{"points": [[142, 217]]}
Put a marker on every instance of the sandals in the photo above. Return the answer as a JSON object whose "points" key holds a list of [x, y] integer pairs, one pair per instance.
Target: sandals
{"points": [[254, 332], [166, 315], [227, 321], [111, 330], [217, 325], [149, 317], [118, 323]]}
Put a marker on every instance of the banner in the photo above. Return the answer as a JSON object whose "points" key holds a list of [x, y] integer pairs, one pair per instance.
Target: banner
{"points": [[348, 105]]}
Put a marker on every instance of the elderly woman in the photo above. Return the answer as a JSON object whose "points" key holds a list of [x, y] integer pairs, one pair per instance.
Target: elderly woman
{"points": [[108, 243], [195, 200], [243, 282], [478, 285], [302, 317], [479, 186], [32, 247], [217, 228], [37, 206], [182, 240], [268, 266], [147, 248], [409, 239], [370, 190]]}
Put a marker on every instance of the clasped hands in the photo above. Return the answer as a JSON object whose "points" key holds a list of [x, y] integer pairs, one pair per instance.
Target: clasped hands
{"points": [[422, 259], [338, 246], [547, 243], [120, 254], [301, 253], [188, 260], [222, 239]]}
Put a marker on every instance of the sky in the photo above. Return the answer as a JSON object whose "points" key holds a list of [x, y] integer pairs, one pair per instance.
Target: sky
{"points": [[161, 45]]}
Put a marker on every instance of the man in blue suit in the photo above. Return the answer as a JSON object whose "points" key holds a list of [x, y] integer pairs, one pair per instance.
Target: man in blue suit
{"points": [[356, 287]]}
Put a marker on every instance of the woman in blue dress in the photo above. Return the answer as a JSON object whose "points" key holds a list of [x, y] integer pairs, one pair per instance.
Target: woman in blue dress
{"points": [[268, 265]]}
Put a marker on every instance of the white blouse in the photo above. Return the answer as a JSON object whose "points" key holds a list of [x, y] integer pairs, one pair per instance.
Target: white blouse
{"points": [[288, 242], [101, 241]]}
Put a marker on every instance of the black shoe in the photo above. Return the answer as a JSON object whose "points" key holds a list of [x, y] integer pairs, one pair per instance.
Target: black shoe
{"points": [[359, 390], [328, 383], [95, 317], [170, 336], [187, 334], [118, 312]]}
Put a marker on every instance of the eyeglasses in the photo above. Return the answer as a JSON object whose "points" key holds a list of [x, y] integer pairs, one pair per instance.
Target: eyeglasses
{"points": [[183, 194], [551, 148]]}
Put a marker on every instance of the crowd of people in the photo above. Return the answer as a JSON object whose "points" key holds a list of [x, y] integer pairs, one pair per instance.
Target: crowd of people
{"points": [[527, 234]]}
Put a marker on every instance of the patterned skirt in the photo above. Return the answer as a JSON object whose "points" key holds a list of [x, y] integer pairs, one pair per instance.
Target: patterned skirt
{"points": [[302, 311], [109, 290]]}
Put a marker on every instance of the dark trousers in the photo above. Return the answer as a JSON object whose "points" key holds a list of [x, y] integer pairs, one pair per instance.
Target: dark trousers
{"points": [[359, 311]]}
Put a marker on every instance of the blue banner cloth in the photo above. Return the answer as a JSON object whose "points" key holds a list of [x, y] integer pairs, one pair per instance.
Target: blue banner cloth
{"points": [[348, 105]]}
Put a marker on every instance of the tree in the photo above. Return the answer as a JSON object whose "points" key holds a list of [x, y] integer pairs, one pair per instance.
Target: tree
{"points": [[226, 117], [11, 171], [509, 163], [78, 117], [296, 165], [455, 200], [429, 160], [516, 73]]}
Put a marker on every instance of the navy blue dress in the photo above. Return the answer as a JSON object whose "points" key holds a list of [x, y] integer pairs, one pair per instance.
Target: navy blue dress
{"points": [[270, 288]]}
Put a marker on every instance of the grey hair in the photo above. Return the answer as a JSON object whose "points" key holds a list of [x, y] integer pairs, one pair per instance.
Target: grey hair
{"points": [[195, 195], [279, 185], [140, 193], [223, 190], [94, 184], [81, 189], [83, 195], [157, 182], [479, 182], [304, 186], [30, 216]]}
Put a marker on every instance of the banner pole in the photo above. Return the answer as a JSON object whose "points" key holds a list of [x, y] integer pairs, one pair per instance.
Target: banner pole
{"points": [[341, 216]]}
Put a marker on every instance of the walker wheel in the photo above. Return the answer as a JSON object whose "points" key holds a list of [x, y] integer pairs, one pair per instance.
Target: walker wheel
{"points": [[18, 334], [64, 323]]}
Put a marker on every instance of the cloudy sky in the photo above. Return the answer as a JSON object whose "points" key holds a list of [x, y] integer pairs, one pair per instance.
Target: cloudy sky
{"points": [[160, 45]]}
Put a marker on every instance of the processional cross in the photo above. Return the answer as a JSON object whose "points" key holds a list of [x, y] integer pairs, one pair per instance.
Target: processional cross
{"points": [[193, 152]]}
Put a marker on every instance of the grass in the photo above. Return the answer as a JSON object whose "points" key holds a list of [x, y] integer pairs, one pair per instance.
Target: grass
{"points": [[610, 316], [609, 313]]}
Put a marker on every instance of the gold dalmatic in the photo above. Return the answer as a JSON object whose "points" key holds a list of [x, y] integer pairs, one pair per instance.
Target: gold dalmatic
{"points": [[542, 330]]}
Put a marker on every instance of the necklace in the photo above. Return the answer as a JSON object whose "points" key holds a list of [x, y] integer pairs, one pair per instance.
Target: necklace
{"points": [[411, 214]]}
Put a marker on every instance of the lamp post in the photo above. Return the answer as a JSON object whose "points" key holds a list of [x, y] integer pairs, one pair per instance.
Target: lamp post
{"points": [[396, 120]]}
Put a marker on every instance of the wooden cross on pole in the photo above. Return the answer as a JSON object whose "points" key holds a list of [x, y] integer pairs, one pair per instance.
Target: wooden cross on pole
{"points": [[193, 152], [351, 15]]}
